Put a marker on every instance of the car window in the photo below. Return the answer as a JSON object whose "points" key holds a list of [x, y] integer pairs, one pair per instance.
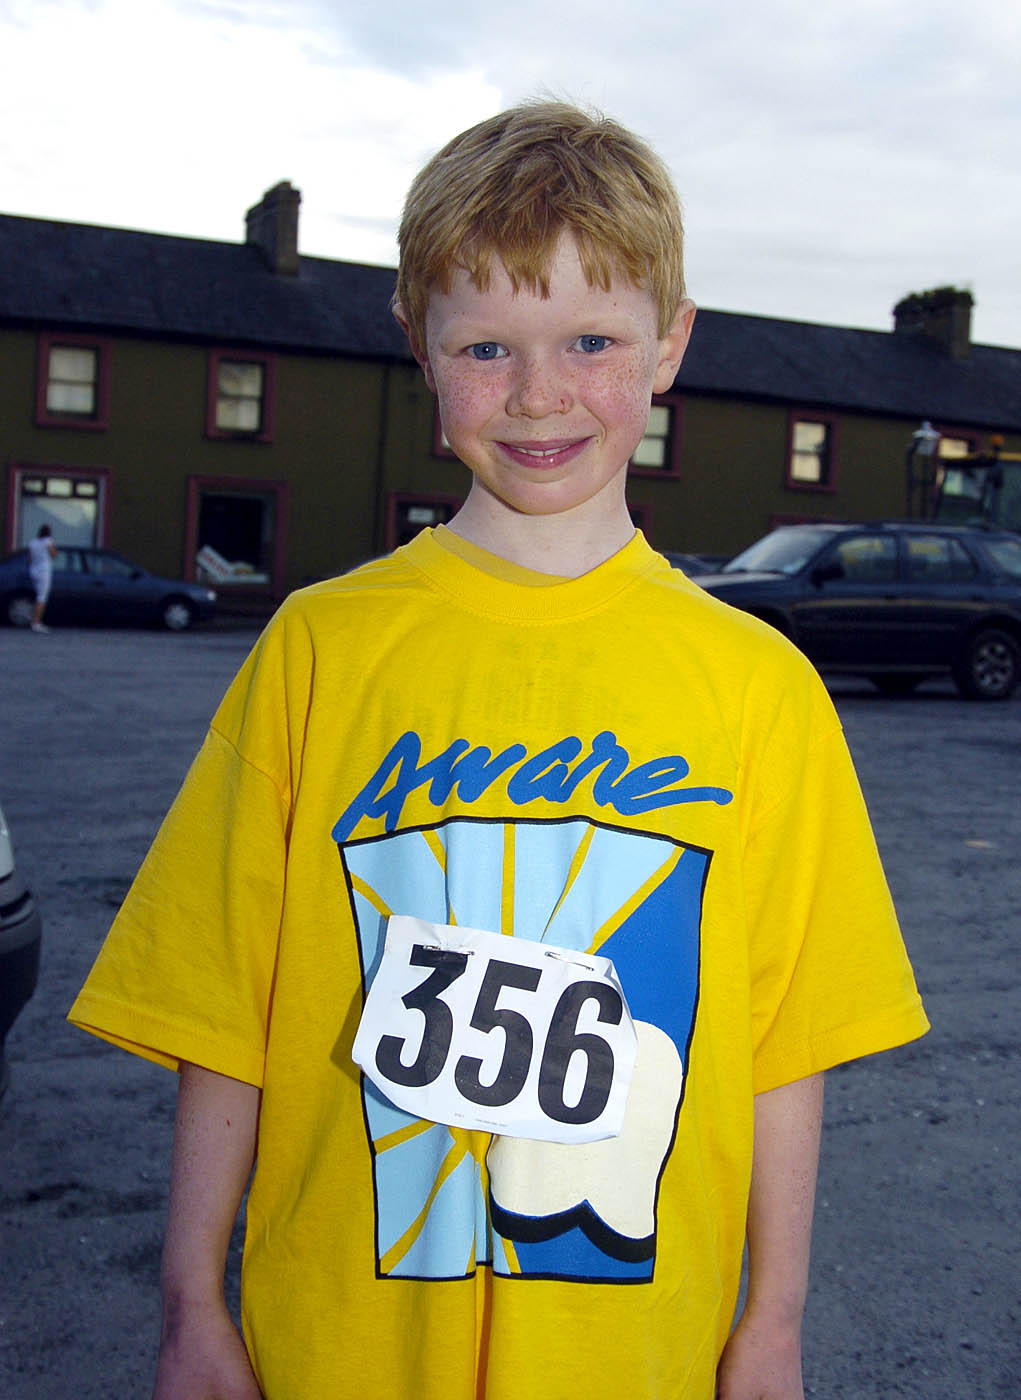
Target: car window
{"points": [[868, 558], [110, 566], [68, 561], [1006, 553], [785, 551], [938, 559]]}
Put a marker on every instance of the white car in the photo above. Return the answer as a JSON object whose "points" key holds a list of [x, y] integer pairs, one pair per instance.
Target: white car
{"points": [[20, 939]]}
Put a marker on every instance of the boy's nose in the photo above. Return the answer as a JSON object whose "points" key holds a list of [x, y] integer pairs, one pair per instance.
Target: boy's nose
{"points": [[538, 391]]}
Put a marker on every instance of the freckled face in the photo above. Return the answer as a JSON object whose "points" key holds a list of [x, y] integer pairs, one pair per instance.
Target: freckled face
{"points": [[546, 399]]}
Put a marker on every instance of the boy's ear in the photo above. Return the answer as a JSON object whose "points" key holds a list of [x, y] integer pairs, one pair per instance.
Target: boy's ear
{"points": [[673, 346], [417, 349]]}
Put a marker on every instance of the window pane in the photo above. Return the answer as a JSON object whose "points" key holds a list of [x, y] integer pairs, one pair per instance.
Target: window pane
{"points": [[869, 558], [1007, 554], [238, 415], [109, 565], [659, 420], [75, 365], [79, 399], [954, 447], [933, 559], [69, 505], [240, 380], [650, 452]]}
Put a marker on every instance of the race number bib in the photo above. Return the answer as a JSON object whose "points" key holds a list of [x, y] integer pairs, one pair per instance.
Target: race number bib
{"points": [[505, 1035]]}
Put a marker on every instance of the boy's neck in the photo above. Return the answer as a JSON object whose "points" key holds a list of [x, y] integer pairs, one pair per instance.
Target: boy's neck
{"points": [[568, 545]]}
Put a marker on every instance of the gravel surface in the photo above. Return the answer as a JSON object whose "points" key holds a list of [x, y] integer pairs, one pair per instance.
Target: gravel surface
{"points": [[916, 1257]]}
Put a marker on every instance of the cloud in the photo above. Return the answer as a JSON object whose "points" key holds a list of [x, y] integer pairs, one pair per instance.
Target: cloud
{"points": [[830, 158]]}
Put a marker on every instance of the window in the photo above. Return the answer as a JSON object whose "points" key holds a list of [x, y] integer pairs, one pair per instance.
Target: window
{"points": [[236, 531], [71, 387], [240, 396], [959, 490], [70, 501], [951, 447], [657, 453], [407, 514], [938, 559], [110, 566], [868, 558], [1006, 553], [811, 452]]}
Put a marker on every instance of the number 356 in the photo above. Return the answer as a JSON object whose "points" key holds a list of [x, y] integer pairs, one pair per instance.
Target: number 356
{"points": [[561, 1041]]}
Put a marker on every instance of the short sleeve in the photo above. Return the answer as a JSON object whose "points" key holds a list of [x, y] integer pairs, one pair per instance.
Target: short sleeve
{"points": [[830, 975], [186, 971]]}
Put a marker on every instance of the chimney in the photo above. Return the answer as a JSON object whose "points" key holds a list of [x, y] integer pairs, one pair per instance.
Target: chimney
{"points": [[942, 317], [272, 227]]}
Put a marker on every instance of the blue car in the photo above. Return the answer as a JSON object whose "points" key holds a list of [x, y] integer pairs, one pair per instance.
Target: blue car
{"points": [[98, 586]]}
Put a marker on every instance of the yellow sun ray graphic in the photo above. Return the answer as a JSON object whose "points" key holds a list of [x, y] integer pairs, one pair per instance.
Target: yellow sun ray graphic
{"points": [[367, 892], [464, 1144], [574, 870], [402, 1135], [507, 881]]}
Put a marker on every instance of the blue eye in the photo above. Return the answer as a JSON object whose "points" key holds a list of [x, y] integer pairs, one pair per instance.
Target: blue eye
{"points": [[486, 350], [592, 344]]}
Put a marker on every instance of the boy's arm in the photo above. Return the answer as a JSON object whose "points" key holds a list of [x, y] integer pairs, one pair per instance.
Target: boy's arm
{"points": [[202, 1355], [762, 1360]]}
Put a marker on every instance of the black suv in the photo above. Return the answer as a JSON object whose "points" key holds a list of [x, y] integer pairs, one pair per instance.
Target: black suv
{"points": [[898, 603]]}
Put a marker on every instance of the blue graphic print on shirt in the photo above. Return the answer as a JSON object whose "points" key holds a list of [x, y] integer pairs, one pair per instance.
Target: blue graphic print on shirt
{"points": [[448, 1200]]}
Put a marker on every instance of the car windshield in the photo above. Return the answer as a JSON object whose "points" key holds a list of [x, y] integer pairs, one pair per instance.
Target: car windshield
{"points": [[785, 551], [1006, 553]]}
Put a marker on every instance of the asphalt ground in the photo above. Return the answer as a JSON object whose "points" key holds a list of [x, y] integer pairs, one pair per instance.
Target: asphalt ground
{"points": [[916, 1256]]}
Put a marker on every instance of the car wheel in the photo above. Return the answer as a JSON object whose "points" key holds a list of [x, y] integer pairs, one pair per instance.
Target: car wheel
{"points": [[19, 608], [988, 668], [896, 685], [177, 614]]}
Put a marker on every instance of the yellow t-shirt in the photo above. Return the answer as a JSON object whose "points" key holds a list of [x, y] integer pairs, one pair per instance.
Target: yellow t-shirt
{"points": [[615, 764]]}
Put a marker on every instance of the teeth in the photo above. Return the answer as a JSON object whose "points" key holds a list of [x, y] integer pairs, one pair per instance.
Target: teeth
{"points": [[540, 451]]}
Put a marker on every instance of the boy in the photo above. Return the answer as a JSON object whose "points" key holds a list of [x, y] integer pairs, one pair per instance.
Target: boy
{"points": [[537, 746]]}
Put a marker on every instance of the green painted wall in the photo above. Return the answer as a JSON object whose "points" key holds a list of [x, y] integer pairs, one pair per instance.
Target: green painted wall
{"points": [[348, 433]]}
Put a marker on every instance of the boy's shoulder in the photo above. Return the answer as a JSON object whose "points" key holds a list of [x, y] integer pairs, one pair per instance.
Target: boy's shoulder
{"points": [[379, 575]]}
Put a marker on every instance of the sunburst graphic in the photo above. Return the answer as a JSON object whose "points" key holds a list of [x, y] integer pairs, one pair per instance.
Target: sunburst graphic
{"points": [[629, 895]]}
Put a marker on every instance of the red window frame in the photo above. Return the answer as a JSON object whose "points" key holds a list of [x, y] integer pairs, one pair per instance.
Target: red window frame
{"points": [[239, 486], [101, 476], [396, 499], [264, 433], [45, 417]]}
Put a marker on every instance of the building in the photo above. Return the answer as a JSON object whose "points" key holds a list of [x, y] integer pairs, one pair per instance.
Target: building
{"points": [[243, 413]]}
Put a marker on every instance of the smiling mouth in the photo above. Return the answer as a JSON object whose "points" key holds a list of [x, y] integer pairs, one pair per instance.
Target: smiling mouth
{"points": [[545, 454]]}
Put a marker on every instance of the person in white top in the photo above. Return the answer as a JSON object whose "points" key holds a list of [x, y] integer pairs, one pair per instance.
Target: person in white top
{"points": [[41, 553]]}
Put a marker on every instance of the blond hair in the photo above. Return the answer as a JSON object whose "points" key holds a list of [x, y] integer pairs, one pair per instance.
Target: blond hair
{"points": [[510, 186]]}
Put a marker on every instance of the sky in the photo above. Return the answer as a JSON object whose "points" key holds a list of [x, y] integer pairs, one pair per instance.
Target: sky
{"points": [[832, 156]]}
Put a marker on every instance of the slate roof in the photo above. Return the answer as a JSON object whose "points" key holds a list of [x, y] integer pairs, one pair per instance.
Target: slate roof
{"points": [[156, 284], [877, 372], [101, 279]]}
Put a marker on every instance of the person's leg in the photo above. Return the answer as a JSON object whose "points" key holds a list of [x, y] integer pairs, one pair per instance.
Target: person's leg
{"points": [[41, 595]]}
